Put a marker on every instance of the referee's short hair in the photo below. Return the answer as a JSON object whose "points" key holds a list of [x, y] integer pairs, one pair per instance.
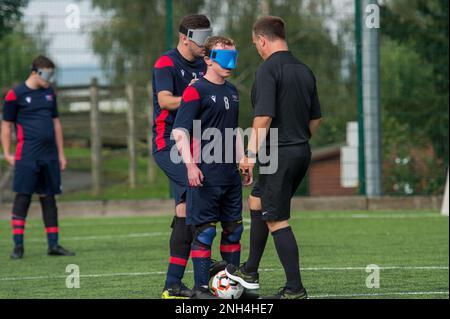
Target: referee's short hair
{"points": [[271, 27]]}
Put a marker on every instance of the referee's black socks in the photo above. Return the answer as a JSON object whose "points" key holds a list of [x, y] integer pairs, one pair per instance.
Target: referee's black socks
{"points": [[258, 239], [287, 250]]}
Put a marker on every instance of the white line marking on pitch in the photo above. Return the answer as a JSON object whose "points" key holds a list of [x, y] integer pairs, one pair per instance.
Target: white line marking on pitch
{"points": [[153, 273], [78, 238], [302, 216], [405, 293]]}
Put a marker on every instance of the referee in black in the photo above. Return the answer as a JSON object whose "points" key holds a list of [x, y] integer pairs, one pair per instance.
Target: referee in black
{"points": [[284, 97]]}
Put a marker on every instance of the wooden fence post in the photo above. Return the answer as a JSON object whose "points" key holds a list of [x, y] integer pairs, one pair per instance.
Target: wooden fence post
{"points": [[96, 141], [151, 163], [131, 117]]}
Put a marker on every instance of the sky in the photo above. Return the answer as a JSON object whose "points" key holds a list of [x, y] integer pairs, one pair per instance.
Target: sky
{"points": [[69, 46]]}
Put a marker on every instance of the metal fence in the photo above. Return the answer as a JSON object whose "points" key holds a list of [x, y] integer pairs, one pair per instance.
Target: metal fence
{"points": [[326, 35]]}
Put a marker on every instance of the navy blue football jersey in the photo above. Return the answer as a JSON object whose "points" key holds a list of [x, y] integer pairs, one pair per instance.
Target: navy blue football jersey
{"points": [[171, 73], [32, 112], [217, 107]]}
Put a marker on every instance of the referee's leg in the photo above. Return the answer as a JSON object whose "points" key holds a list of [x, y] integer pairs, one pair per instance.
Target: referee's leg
{"points": [[287, 250], [258, 234]]}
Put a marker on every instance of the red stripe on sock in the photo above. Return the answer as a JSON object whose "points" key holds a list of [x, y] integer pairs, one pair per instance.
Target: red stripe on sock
{"points": [[178, 261], [200, 253], [51, 230], [18, 222], [230, 248], [18, 231]]}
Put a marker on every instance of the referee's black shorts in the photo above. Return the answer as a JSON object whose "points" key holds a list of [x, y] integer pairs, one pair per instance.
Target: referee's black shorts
{"points": [[277, 189]]}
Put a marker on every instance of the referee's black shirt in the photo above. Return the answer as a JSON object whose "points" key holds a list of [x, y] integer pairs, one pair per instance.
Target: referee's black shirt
{"points": [[285, 89]]}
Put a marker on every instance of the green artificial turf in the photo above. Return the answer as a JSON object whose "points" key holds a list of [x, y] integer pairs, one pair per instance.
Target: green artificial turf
{"points": [[126, 257]]}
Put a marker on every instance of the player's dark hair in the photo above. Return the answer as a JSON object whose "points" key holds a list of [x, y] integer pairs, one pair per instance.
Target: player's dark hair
{"points": [[42, 62], [194, 21], [271, 27], [213, 41]]}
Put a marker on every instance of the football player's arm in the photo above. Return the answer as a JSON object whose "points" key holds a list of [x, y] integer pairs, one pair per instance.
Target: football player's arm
{"points": [[60, 143], [167, 101], [187, 113], [9, 118], [6, 141], [164, 78]]}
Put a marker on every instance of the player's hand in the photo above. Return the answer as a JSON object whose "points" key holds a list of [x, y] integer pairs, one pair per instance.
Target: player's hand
{"points": [[62, 162], [193, 81], [195, 176], [247, 180], [246, 168], [10, 159]]}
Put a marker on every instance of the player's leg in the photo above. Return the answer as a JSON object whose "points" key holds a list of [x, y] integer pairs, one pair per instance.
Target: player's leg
{"points": [[203, 213], [180, 246], [181, 235], [231, 221], [19, 215], [24, 183], [49, 185]]}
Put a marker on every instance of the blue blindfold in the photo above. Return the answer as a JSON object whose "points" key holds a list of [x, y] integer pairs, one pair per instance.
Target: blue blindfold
{"points": [[227, 59]]}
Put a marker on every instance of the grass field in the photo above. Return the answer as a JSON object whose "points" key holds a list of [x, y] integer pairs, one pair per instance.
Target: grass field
{"points": [[126, 257]]}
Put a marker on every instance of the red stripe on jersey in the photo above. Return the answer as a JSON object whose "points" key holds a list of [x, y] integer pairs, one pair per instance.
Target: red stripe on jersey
{"points": [[19, 142], [190, 94], [200, 253], [164, 62], [178, 261], [230, 248], [11, 96], [160, 129], [51, 230]]}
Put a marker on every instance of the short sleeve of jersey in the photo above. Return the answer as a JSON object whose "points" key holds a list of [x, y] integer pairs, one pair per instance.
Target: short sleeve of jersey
{"points": [[10, 107], [163, 74], [188, 110], [265, 92], [316, 112]]}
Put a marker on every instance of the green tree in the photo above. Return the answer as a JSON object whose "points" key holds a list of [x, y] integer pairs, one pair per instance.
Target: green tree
{"points": [[309, 40], [133, 36], [10, 15], [407, 83], [17, 47], [422, 25]]}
